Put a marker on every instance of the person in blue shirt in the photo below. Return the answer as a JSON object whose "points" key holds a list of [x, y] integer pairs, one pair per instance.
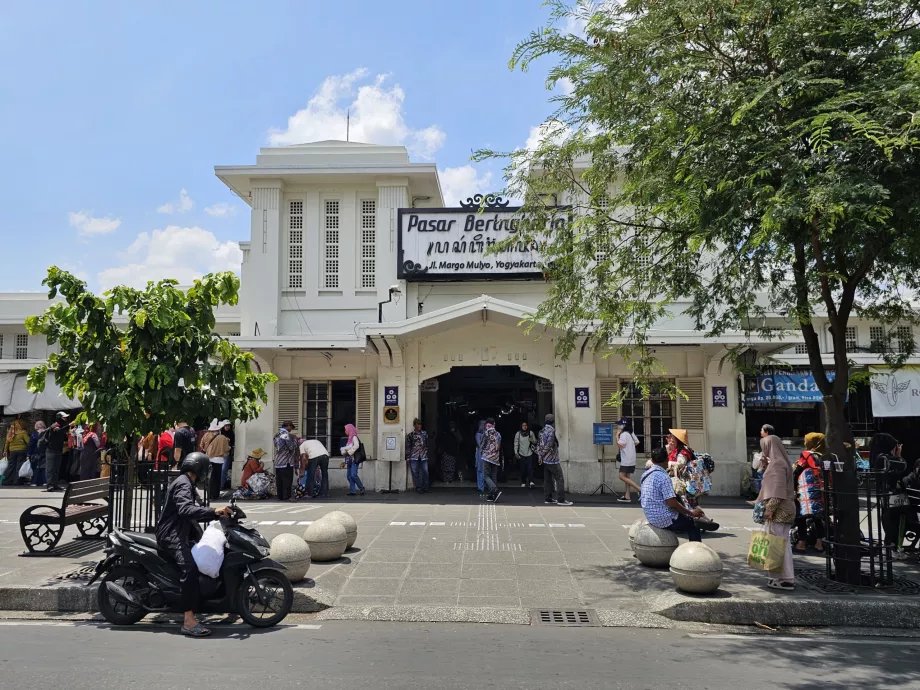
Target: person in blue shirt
{"points": [[659, 503]]}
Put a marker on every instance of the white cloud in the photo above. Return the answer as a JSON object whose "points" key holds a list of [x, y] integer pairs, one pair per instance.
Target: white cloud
{"points": [[181, 205], [377, 116], [566, 86], [221, 210], [549, 132], [174, 252], [460, 183], [88, 226]]}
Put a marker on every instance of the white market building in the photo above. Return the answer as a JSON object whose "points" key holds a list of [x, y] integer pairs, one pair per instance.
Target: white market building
{"points": [[363, 294]]}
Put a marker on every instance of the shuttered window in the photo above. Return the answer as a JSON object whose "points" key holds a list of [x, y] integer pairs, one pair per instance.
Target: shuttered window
{"points": [[287, 404], [364, 414], [368, 235], [691, 412], [331, 247], [606, 389], [295, 245]]}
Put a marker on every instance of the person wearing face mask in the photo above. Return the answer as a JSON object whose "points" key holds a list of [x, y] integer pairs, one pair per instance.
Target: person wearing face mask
{"points": [[525, 443], [627, 442]]}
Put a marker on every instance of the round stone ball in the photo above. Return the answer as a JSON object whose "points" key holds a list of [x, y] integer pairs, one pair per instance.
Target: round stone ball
{"points": [[348, 522], [654, 546], [696, 568], [632, 532], [292, 552], [327, 540]]}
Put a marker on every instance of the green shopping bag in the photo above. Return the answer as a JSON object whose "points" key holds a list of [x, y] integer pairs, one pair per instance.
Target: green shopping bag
{"points": [[767, 551]]}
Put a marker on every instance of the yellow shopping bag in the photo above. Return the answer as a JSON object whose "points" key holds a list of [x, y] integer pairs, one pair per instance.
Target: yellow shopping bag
{"points": [[767, 551]]}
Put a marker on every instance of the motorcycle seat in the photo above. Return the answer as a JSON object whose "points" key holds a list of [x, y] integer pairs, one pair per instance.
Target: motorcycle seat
{"points": [[143, 539]]}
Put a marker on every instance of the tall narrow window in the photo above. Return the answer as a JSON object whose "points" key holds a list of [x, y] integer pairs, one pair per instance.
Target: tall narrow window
{"points": [[1, 346], [331, 244], [295, 245], [878, 341], [368, 243], [22, 346], [603, 237], [904, 339], [852, 338]]}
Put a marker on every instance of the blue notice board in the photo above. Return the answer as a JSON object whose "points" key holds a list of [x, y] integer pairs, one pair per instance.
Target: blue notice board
{"points": [[603, 434]]}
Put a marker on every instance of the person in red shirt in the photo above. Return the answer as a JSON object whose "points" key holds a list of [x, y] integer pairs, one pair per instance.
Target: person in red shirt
{"points": [[165, 449]]}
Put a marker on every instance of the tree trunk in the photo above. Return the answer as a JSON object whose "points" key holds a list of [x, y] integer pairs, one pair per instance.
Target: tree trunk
{"points": [[847, 538]]}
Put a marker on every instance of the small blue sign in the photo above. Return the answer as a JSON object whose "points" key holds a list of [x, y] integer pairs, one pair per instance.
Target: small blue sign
{"points": [[582, 398], [391, 395], [786, 387], [603, 434], [720, 396]]}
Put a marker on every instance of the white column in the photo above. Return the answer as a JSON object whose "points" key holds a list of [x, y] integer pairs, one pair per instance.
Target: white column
{"points": [[393, 195], [260, 295]]}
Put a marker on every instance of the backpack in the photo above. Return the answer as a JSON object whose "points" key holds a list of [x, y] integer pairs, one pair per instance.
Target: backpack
{"points": [[360, 455]]}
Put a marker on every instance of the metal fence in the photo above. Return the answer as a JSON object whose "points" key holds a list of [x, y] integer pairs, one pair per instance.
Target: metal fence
{"points": [[137, 491]]}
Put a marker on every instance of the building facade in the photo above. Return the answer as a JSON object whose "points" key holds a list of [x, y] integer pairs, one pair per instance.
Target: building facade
{"points": [[375, 305]]}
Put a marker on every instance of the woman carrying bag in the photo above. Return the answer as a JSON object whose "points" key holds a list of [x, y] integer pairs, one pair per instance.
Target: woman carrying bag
{"points": [[777, 492]]}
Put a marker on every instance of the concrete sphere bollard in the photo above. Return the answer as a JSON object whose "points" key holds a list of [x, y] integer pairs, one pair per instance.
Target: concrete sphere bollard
{"points": [[348, 522], [327, 540], [292, 552], [696, 568], [632, 532], [654, 546]]}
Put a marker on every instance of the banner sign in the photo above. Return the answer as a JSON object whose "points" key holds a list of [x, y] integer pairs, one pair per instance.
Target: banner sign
{"points": [[784, 387], [451, 244], [720, 396], [582, 398], [391, 395], [895, 393]]}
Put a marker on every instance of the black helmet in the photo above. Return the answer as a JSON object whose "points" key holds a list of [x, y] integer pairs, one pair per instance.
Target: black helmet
{"points": [[199, 463]]}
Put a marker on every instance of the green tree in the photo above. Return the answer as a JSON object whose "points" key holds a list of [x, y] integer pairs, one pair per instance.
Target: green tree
{"points": [[753, 157], [141, 360]]}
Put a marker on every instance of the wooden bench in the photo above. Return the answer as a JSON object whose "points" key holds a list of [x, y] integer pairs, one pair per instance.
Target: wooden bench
{"points": [[42, 526]]}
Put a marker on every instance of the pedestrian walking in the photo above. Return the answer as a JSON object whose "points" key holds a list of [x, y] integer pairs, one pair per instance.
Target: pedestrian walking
{"points": [[777, 492], [417, 456], [217, 451], [660, 504], [313, 455], [55, 444], [480, 474], [354, 456], [548, 456], [17, 452], [286, 458], [450, 449], [809, 485], [627, 442], [36, 457], [491, 447], [525, 443]]}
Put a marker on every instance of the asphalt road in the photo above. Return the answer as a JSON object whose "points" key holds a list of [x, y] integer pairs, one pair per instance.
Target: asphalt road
{"points": [[358, 655]]}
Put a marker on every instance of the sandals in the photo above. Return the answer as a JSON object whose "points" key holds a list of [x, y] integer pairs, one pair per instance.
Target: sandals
{"points": [[784, 586], [198, 631]]}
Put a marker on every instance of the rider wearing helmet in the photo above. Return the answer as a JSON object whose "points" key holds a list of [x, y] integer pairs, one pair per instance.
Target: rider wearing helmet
{"points": [[179, 520]]}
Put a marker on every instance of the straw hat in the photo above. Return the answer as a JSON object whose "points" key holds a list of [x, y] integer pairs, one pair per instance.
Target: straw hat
{"points": [[257, 453], [680, 435]]}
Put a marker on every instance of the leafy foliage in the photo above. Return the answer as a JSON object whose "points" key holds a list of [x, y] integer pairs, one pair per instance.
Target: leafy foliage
{"points": [[142, 360], [731, 159]]}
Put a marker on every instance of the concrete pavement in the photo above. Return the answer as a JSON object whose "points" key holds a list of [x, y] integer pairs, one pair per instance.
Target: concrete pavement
{"points": [[449, 556], [362, 655]]}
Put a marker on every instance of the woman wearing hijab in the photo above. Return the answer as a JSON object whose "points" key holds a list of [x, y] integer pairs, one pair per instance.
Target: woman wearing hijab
{"points": [[809, 487], [17, 449], [37, 457], [94, 441], [351, 467], [777, 491]]}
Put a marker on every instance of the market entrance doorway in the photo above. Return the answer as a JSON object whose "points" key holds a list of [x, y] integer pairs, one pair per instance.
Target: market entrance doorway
{"points": [[467, 395]]}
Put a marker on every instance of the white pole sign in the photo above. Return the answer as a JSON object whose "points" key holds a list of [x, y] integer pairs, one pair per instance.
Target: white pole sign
{"points": [[451, 244]]}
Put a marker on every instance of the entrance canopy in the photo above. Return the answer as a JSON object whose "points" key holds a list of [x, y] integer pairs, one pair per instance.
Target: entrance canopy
{"points": [[16, 399]]}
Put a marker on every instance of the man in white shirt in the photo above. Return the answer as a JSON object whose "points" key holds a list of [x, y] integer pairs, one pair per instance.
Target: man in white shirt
{"points": [[313, 454], [627, 443]]}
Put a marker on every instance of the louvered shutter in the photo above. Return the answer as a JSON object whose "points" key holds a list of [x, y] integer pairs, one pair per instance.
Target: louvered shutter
{"points": [[289, 404], [691, 413], [364, 415], [606, 389]]}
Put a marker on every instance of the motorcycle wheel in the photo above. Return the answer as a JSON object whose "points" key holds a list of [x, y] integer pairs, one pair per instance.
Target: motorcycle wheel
{"points": [[279, 595], [134, 581]]}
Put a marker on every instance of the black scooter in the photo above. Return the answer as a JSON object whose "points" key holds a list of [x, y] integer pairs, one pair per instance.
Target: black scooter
{"points": [[138, 578]]}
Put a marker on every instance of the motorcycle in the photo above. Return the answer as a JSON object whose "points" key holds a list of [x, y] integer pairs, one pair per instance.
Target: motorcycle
{"points": [[138, 578]]}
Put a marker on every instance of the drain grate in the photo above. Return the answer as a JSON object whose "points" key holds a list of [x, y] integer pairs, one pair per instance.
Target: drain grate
{"points": [[571, 618]]}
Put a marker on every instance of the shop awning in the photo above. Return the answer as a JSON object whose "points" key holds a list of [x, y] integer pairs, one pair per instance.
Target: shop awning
{"points": [[22, 400], [6, 387]]}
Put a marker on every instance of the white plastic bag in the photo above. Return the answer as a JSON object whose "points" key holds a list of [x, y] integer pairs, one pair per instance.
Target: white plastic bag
{"points": [[25, 471], [209, 552], [4, 463]]}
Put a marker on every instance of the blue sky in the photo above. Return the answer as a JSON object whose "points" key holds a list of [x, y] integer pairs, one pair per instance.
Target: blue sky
{"points": [[111, 109]]}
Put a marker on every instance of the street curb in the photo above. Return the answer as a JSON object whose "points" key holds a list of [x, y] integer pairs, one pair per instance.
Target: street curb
{"points": [[869, 613]]}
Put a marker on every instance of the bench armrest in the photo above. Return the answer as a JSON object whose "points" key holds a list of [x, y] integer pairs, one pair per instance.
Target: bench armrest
{"points": [[27, 513]]}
